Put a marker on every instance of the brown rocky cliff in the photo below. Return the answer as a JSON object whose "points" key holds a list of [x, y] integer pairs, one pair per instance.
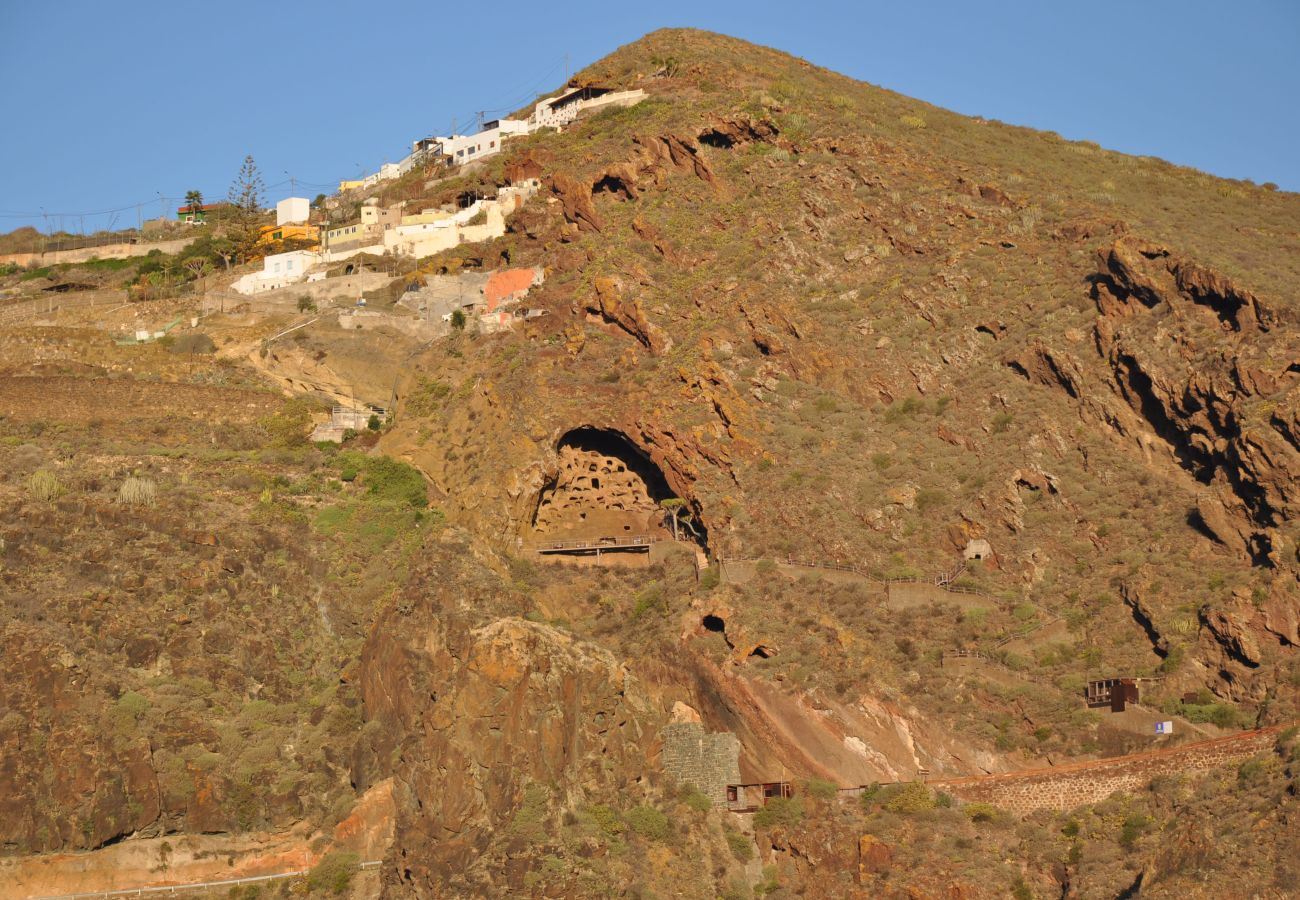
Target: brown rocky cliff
{"points": [[483, 717]]}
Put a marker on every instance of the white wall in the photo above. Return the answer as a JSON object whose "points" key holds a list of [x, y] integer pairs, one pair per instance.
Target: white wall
{"points": [[292, 210], [278, 270], [464, 148]]}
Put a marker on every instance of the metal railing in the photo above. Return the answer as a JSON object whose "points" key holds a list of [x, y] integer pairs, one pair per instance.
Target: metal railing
{"points": [[612, 543]]}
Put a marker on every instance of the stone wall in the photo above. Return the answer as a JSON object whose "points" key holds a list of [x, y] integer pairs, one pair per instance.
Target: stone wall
{"points": [[709, 761], [1066, 787]]}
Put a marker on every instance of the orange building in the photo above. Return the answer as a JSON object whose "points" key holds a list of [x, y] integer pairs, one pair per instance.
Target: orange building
{"points": [[297, 231]]}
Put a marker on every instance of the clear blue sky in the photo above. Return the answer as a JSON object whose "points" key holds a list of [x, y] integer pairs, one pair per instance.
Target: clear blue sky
{"points": [[107, 105]]}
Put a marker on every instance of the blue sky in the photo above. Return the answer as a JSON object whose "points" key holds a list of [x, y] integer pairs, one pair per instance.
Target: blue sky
{"points": [[109, 105]]}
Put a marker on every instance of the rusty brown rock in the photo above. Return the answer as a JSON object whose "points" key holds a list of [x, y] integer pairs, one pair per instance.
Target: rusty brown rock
{"points": [[576, 200]]}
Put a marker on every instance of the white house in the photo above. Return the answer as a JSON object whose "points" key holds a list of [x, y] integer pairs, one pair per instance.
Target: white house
{"points": [[432, 231], [292, 210], [278, 270], [464, 148], [563, 108]]}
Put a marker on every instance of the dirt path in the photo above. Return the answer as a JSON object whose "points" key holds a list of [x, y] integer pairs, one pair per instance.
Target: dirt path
{"points": [[182, 859]]}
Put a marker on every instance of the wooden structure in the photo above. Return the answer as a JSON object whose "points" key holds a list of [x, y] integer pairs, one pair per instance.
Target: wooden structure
{"points": [[744, 798], [1113, 692], [637, 543]]}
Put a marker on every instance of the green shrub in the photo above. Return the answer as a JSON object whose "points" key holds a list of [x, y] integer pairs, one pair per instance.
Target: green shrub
{"points": [[782, 811], [44, 486], [820, 789], [911, 797], [1132, 829], [607, 820], [709, 578], [740, 845], [194, 342], [530, 819], [697, 801], [390, 480], [333, 873], [980, 812], [648, 822], [650, 598]]}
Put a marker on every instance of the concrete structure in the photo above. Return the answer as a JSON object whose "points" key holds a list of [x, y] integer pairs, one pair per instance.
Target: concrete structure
{"points": [[344, 419], [379, 219], [278, 270], [564, 108], [117, 250], [978, 549], [460, 149], [292, 210], [709, 762]]}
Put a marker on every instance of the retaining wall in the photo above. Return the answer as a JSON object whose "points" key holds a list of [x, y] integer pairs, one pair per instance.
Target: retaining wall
{"points": [[709, 761], [83, 254], [1075, 784]]}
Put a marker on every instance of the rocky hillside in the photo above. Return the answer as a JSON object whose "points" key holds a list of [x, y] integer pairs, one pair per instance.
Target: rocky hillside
{"points": [[851, 328], [851, 340]]}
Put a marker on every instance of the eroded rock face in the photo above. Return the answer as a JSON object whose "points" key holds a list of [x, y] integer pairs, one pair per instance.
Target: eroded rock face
{"points": [[596, 495], [483, 718], [1202, 360]]}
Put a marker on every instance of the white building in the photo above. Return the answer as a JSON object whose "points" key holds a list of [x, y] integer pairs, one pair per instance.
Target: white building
{"points": [[465, 148], [433, 231], [292, 210], [563, 108], [278, 270]]}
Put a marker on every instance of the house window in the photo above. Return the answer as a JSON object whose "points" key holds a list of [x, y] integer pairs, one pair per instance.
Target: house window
{"points": [[288, 265], [492, 143], [279, 235]]}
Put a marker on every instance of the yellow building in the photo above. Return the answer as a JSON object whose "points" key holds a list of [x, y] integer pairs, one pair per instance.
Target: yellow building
{"points": [[349, 185], [297, 231]]}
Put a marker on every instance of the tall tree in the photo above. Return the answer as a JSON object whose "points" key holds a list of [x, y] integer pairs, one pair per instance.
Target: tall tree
{"points": [[245, 198]]}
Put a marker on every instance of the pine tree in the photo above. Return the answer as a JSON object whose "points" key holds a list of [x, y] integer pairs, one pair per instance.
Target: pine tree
{"points": [[245, 198]]}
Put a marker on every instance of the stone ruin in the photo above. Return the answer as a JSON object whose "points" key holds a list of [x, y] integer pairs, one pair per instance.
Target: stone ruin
{"points": [[603, 488]]}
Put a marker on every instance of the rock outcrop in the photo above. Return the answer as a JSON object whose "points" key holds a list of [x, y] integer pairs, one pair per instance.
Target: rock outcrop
{"points": [[492, 728]]}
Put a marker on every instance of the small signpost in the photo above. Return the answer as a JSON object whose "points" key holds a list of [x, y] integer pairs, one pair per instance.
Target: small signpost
{"points": [[1164, 728]]}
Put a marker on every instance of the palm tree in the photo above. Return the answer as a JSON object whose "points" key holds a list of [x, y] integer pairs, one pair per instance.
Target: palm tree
{"points": [[194, 203]]}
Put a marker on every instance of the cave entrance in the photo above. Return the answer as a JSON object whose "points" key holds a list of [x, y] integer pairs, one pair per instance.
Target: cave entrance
{"points": [[606, 499], [613, 184]]}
